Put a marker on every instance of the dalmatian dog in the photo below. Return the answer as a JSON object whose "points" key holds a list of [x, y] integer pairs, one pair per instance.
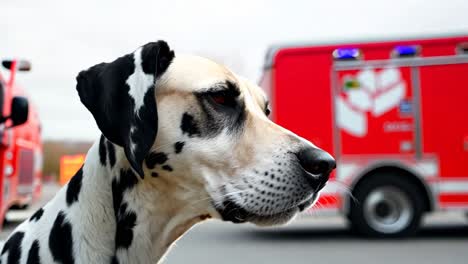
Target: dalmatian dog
{"points": [[183, 139]]}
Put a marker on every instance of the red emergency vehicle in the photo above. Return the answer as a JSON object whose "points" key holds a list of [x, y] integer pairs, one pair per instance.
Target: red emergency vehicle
{"points": [[394, 113], [20, 142]]}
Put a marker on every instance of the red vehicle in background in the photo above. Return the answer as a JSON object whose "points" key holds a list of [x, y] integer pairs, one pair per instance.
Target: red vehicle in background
{"points": [[394, 114], [20, 143]]}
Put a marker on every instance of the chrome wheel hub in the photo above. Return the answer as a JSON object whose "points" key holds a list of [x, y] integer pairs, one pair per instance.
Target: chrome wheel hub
{"points": [[388, 210]]}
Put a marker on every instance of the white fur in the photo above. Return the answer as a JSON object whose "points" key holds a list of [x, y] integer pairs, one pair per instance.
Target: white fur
{"points": [[139, 82]]}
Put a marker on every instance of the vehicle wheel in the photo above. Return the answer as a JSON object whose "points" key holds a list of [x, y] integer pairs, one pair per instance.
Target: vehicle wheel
{"points": [[386, 205]]}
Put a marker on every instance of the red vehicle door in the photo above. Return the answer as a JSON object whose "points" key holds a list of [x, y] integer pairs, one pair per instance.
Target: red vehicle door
{"points": [[374, 104], [445, 113]]}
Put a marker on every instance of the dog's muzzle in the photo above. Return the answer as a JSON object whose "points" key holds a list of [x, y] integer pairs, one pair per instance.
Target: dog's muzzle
{"points": [[312, 166]]}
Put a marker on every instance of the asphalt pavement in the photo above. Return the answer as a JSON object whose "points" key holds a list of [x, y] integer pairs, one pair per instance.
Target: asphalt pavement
{"points": [[321, 240], [444, 239]]}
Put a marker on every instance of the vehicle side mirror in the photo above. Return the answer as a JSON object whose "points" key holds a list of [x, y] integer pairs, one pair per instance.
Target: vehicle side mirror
{"points": [[19, 111], [21, 65]]}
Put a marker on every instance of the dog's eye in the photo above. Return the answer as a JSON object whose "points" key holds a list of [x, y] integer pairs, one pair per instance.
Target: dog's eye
{"points": [[219, 99], [267, 109], [223, 98]]}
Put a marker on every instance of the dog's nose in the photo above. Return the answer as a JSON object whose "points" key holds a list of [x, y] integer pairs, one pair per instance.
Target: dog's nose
{"points": [[316, 162]]}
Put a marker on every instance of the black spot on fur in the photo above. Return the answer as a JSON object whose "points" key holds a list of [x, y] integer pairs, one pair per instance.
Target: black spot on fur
{"points": [[143, 131], [167, 168], [162, 55], [33, 255], [102, 150], [216, 118], [61, 240], [155, 158], [37, 215], [126, 181], [111, 153], [13, 246], [189, 126], [125, 218], [154, 174], [126, 221], [178, 146], [74, 187]]}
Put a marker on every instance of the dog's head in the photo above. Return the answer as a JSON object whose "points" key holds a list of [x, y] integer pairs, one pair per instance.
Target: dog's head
{"points": [[191, 123]]}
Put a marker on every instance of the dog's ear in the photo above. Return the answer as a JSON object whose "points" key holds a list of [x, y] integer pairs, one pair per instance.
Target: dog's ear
{"points": [[121, 97]]}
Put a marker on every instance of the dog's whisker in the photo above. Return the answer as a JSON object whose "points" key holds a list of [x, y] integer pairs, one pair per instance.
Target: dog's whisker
{"points": [[317, 206], [342, 187], [222, 196]]}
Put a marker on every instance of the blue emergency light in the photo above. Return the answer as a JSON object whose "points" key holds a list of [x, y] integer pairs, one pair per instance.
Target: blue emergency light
{"points": [[347, 54], [405, 51]]}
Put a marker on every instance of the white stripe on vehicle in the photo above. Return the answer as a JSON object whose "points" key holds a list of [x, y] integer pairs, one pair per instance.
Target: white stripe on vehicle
{"points": [[345, 170], [453, 186]]}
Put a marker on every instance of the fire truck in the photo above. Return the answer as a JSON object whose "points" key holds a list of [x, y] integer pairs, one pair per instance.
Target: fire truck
{"points": [[20, 142], [394, 114]]}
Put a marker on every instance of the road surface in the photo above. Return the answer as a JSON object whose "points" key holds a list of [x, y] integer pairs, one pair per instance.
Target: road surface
{"points": [[308, 240]]}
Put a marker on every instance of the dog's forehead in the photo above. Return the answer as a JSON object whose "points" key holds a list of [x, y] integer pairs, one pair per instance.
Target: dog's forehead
{"points": [[257, 94], [192, 73]]}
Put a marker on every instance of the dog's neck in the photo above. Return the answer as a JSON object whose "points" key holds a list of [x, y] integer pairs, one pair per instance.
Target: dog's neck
{"points": [[148, 214]]}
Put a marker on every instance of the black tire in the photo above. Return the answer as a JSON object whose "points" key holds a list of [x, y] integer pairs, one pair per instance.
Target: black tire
{"points": [[397, 213]]}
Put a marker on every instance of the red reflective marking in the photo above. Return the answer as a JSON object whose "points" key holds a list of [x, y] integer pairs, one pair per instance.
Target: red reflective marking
{"points": [[453, 198], [328, 200]]}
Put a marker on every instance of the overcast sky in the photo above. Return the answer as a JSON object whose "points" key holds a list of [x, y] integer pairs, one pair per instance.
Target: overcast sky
{"points": [[61, 38]]}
